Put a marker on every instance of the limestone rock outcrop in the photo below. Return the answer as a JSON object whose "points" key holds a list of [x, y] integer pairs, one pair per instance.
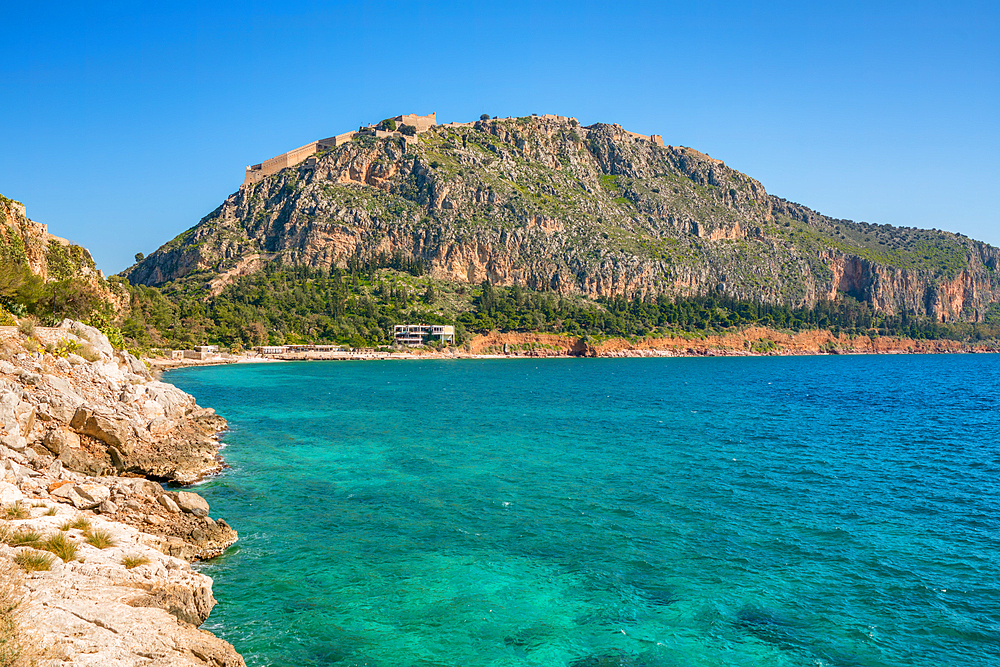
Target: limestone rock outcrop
{"points": [[81, 445]]}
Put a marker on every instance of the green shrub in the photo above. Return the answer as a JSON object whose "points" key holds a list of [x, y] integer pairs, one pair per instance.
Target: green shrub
{"points": [[102, 320], [6, 319], [64, 347], [134, 560]]}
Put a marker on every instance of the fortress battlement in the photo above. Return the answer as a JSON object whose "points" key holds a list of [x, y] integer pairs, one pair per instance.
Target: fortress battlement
{"points": [[255, 173]]}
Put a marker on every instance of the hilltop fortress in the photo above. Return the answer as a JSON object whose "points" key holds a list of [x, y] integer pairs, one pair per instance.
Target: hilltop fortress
{"points": [[257, 172]]}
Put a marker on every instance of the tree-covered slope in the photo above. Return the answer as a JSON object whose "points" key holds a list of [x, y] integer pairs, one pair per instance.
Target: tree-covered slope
{"points": [[591, 211]]}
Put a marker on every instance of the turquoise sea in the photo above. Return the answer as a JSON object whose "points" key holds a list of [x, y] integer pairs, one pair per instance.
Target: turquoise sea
{"points": [[600, 512]]}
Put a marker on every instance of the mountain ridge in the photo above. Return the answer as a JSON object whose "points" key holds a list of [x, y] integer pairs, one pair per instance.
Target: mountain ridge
{"points": [[595, 211]]}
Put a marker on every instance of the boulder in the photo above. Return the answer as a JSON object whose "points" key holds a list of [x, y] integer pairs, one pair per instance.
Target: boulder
{"points": [[139, 487], [80, 418], [175, 403], [9, 494], [191, 503], [186, 603], [134, 365], [92, 335], [83, 496], [92, 495], [60, 412], [106, 429], [64, 388], [59, 439], [15, 441], [117, 459], [169, 504], [107, 507]]}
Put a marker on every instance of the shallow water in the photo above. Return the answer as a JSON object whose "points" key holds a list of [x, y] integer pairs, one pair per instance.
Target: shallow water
{"points": [[598, 512]]}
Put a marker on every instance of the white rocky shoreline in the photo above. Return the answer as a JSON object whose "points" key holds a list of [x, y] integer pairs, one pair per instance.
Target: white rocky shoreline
{"points": [[88, 444]]}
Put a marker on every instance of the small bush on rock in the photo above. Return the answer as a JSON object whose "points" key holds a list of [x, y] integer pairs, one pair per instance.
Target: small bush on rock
{"points": [[27, 326], [65, 347], [88, 352]]}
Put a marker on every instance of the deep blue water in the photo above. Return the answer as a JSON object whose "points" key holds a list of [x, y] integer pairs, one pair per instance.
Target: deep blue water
{"points": [[598, 512]]}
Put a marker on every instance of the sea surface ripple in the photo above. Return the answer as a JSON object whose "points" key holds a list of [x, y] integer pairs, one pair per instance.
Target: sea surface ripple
{"points": [[836, 511]]}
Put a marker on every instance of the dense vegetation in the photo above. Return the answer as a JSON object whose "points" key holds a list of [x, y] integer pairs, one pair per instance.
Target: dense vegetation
{"points": [[24, 293], [359, 305]]}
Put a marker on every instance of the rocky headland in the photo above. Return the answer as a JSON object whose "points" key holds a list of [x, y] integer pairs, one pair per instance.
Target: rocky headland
{"points": [[104, 549], [547, 204]]}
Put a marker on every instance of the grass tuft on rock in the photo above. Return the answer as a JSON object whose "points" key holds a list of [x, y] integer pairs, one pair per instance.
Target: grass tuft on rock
{"points": [[101, 539], [52, 511], [134, 560], [79, 523], [61, 546], [16, 511], [88, 352], [11, 648], [23, 538], [34, 561]]}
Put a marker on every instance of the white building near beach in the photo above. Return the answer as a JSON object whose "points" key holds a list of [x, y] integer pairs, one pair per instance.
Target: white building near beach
{"points": [[418, 334]]}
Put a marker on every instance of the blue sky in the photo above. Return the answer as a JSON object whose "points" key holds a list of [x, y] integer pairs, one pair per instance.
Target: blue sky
{"points": [[122, 124]]}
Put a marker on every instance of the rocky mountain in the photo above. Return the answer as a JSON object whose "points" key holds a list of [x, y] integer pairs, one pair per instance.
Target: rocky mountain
{"points": [[548, 204], [29, 242]]}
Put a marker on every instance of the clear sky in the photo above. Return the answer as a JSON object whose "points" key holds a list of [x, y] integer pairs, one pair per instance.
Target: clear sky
{"points": [[122, 124]]}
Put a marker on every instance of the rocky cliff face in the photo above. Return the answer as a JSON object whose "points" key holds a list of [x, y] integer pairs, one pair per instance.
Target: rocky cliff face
{"points": [[81, 443], [46, 255], [548, 204]]}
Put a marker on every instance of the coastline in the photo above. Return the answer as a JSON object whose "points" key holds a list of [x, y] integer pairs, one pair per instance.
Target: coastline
{"points": [[102, 546], [751, 342]]}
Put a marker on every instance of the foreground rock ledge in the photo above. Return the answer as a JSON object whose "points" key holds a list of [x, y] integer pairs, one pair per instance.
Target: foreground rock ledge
{"points": [[85, 440]]}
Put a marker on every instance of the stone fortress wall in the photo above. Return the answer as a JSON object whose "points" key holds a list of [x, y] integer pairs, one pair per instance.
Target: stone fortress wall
{"points": [[257, 172]]}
